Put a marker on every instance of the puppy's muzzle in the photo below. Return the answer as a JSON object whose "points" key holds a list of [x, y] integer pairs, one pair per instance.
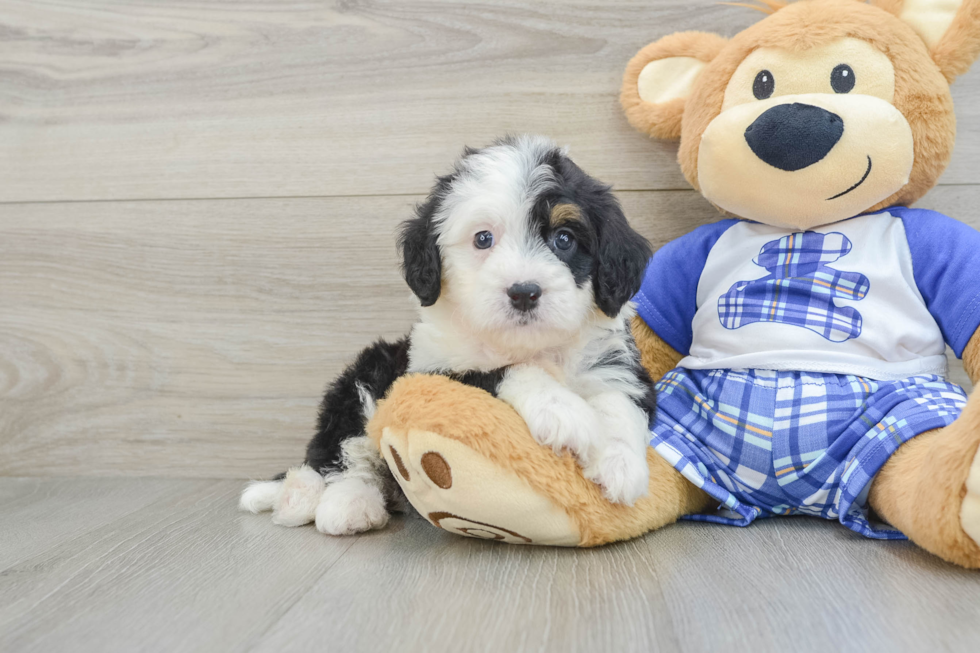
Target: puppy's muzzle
{"points": [[524, 296], [794, 136]]}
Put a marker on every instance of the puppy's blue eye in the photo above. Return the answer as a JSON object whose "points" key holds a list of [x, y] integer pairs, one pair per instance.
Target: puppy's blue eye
{"points": [[564, 240], [483, 240]]}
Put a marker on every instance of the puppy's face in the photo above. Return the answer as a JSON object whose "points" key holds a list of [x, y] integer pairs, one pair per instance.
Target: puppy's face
{"points": [[516, 254], [527, 245]]}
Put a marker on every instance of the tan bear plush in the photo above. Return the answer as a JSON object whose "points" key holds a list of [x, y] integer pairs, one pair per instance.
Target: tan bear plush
{"points": [[800, 341]]}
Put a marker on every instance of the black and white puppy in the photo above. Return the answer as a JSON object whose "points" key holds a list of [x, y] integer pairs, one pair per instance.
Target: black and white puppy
{"points": [[524, 266]]}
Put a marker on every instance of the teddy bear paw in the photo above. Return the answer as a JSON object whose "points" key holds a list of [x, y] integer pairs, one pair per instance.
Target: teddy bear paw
{"points": [[350, 505], [970, 510], [623, 475], [462, 491]]}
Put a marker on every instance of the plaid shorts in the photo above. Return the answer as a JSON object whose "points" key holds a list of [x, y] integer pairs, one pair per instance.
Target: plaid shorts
{"points": [[770, 443]]}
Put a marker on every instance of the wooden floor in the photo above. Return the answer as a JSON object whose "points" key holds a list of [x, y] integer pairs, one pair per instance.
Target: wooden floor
{"points": [[170, 565], [197, 208]]}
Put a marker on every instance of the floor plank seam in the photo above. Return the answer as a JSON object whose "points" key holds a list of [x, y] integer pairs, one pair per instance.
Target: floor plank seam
{"points": [[329, 196], [299, 597]]}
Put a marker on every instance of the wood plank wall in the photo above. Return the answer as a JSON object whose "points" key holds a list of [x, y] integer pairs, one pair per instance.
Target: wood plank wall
{"points": [[197, 200]]}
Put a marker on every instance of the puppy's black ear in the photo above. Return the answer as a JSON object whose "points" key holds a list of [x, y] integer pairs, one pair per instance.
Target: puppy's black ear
{"points": [[421, 262], [621, 257]]}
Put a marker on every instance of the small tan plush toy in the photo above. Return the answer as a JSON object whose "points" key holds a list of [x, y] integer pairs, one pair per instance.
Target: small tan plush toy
{"points": [[800, 341]]}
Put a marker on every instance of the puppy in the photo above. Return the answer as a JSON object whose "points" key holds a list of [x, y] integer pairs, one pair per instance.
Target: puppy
{"points": [[524, 267]]}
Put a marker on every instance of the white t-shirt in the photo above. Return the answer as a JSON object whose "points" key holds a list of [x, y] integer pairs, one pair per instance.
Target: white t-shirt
{"points": [[876, 296]]}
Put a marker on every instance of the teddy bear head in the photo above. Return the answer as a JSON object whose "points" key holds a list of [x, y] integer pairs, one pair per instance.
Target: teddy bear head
{"points": [[823, 110]]}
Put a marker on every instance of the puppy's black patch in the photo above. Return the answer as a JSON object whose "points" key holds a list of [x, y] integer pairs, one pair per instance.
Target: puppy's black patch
{"points": [[620, 263], [421, 260], [579, 255], [648, 402], [373, 372], [341, 412], [488, 381], [630, 361], [606, 250]]}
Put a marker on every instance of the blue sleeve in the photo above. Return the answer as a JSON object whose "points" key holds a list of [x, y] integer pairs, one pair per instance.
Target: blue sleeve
{"points": [[946, 267], [667, 299]]}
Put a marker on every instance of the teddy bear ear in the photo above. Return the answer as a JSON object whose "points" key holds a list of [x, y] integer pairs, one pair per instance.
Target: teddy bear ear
{"points": [[660, 77], [950, 29]]}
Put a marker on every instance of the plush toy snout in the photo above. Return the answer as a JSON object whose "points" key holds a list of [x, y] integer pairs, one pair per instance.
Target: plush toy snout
{"points": [[805, 160]]}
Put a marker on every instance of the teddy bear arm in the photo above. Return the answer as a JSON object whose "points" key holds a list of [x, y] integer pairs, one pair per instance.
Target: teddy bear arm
{"points": [[971, 357], [655, 355]]}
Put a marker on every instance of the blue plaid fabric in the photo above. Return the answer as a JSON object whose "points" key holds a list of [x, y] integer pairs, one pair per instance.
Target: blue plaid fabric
{"points": [[770, 443], [800, 288]]}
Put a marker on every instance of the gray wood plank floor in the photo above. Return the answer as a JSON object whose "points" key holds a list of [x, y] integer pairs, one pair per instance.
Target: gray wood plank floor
{"points": [[169, 565]]}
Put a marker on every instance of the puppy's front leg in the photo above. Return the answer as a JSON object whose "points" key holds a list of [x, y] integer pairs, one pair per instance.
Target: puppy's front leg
{"points": [[619, 462], [556, 416]]}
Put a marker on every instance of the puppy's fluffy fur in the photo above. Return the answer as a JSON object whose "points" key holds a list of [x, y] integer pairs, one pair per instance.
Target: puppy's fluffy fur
{"points": [[524, 267]]}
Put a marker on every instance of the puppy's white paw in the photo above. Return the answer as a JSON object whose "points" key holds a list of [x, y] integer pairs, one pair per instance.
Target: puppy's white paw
{"points": [[562, 421], [349, 506], [300, 494], [970, 510], [623, 475], [260, 496]]}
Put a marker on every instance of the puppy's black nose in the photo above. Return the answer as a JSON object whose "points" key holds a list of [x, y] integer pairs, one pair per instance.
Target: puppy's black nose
{"points": [[793, 136], [524, 296]]}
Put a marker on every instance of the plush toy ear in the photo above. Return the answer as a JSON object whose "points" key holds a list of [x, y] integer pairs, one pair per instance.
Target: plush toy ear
{"points": [[421, 262], [659, 79], [950, 29]]}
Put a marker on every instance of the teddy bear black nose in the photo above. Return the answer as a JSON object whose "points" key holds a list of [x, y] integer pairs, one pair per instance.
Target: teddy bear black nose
{"points": [[793, 136]]}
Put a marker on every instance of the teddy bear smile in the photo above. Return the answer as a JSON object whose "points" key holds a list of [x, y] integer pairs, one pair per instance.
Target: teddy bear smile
{"points": [[861, 181]]}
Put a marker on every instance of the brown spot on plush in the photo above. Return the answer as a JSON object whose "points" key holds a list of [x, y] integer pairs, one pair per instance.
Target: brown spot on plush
{"points": [[437, 517], [437, 469], [399, 464], [563, 213]]}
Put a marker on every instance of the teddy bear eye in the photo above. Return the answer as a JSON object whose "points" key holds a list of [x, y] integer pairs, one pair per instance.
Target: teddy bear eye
{"points": [[764, 85], [842, 79]]}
